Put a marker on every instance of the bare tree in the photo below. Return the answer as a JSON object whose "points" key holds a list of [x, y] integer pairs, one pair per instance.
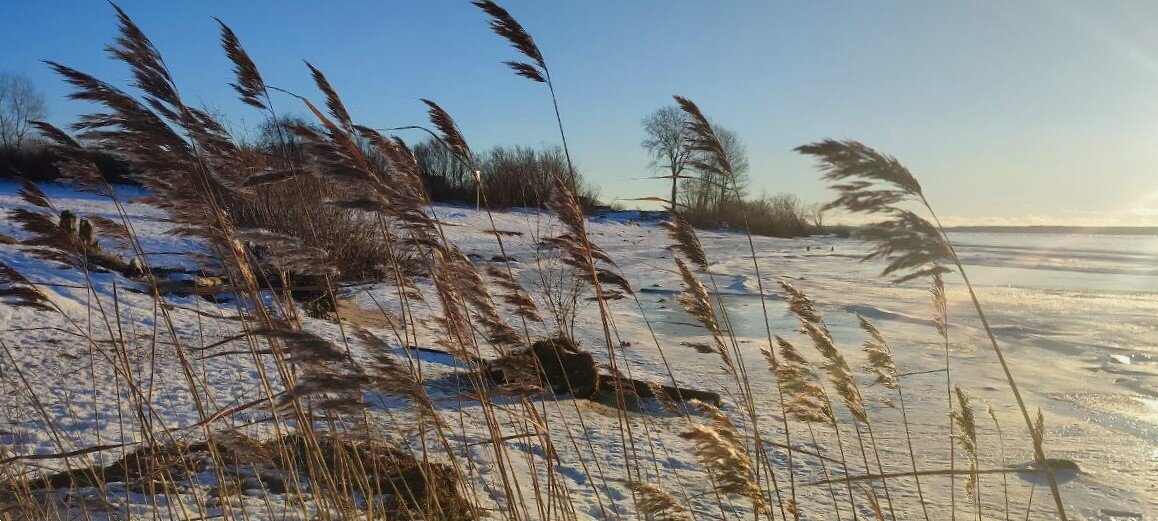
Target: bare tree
{"points": [[709, 190], [737, 154], [815, 212], [666, 131], [20, 103], [787, 208]]}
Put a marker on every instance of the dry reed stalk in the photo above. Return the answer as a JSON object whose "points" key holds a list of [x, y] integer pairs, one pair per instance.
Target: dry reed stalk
{"points": [[807, 399], [839, 376], [966, 423], [702, 140], [582, 254], [941, 324], [873, 183], [657, 504], [1001, 448], [152, 76], [880, 363], [721, 449]]}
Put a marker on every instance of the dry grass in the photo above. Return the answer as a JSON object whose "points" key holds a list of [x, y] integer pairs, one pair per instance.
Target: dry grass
{"points": [[350, 204]]}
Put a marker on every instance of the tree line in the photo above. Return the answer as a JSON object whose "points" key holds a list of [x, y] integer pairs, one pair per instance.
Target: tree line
{"points": [[506, 176], [713, 197]]}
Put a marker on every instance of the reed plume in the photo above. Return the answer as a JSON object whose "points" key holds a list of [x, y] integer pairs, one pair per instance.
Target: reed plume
{"points": [[74, 161], [685, 240], [514, 294], [839, 372], [721, 449], [451, 136], [802, 306], [941, 324], [17, 290], [807, 399], [249, 85], [966, 423], [334, 103], [580, 253], [505, 25], [869, 182], [879, 361], [698, 304], [712, 157], [657, 504], [874, 504]]}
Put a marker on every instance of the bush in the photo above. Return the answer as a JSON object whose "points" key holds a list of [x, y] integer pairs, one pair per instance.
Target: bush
{"points": [[353, 242], [781, 215], [447, 179], [512, 176], [38, 163], [843, 231]]}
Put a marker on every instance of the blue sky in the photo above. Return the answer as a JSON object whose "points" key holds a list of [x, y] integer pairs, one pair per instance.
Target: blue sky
{"points": [[1030, 112]]}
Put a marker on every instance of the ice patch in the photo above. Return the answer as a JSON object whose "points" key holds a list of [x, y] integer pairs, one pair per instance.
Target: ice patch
{"points": [[878, 314], [740, 284]]}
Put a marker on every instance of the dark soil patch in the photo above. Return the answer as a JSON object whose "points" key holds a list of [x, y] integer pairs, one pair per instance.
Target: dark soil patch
{"points": [[555, 364], [355, 469], [562, 367]]}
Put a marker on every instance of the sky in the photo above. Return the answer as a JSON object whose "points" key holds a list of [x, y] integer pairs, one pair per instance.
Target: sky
{"points": [[1008, 112]]}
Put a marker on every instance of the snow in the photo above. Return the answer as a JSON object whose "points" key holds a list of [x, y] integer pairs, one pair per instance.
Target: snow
{"points": [[1083, 350]]}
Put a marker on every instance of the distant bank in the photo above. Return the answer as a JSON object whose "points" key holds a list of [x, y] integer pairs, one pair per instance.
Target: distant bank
{"points": [[1088, 230]]}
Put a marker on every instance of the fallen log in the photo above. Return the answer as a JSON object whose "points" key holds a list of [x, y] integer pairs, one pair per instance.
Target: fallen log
{"points": [[565, 368], [554, 364], [561, 367], [644, 389]]}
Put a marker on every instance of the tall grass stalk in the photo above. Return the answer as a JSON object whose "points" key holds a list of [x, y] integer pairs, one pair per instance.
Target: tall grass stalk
{"points": [[870, 182]]}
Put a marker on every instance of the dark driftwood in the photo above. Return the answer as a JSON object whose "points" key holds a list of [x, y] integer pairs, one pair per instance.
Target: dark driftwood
{"points": [[555, 364], [643, 389], [565, 368]]}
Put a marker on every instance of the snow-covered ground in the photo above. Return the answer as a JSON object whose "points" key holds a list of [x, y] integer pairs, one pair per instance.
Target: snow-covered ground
{"points": [[1077, 317]]}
